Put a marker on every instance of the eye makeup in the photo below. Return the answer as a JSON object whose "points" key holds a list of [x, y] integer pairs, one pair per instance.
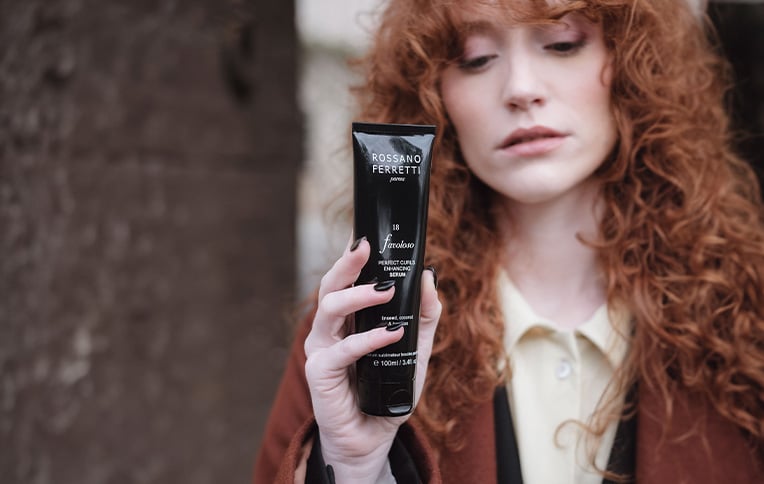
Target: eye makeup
{"points": [[568, 34]]}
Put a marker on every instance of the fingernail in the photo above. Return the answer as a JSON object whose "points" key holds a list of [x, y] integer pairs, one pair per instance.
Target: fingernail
{"points": [[394, 326], [383, 286], [356, 243], [434, 275]]}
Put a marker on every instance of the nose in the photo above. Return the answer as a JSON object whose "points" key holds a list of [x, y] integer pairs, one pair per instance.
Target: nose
{"points": [[523, 89]]}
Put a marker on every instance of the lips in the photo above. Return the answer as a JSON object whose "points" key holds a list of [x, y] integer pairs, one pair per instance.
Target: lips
{"points": [[523, 135], [530, 142]]}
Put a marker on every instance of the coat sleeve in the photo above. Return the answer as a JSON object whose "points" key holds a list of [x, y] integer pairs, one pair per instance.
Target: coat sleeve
{"points": [[695, 444], [290, 431]]}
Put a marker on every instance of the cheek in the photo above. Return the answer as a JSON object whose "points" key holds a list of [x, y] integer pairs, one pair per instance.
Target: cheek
{"points": [[463, 107], [455, 102], [601, 88], [595, 85], [603, 131], [592, 96], [607, 74]]}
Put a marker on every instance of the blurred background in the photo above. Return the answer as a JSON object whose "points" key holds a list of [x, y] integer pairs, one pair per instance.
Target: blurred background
{"points": [[165, 172]]}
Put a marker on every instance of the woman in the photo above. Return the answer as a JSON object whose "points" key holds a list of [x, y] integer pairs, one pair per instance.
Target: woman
{"points": [[601, 257]]}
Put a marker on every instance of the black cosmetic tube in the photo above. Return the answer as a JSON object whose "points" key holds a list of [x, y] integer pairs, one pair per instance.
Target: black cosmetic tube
{"points": [[391, 188]]}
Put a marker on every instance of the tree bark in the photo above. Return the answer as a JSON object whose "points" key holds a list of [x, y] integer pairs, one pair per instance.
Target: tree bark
{"points": [[148, 158]]}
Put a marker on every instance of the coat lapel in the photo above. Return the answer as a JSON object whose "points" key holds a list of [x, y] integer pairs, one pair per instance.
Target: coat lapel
{"points": [[622, 460], [507, 455], [476, 460], [623, 455], [699, 446]]}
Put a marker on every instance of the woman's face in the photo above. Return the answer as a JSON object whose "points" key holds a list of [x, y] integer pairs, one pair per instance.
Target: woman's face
{"points": [[531, 106]]}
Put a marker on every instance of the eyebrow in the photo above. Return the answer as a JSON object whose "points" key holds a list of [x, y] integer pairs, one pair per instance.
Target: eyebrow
{"points": [[489, 26], [477, 26]]}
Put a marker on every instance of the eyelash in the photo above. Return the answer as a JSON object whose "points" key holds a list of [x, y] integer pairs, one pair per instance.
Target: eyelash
{"points": [[564, 49], [476, 63]]}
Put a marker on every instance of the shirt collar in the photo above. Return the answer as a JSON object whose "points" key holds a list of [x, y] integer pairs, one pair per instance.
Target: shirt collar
{"points": [[607, 329]]}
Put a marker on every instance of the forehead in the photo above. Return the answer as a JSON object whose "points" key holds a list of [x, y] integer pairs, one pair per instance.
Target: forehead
{"points": [[467, 15]]}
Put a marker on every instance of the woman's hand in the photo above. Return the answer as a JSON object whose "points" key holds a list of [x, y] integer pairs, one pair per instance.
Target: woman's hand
{"points": [[354, 444]]}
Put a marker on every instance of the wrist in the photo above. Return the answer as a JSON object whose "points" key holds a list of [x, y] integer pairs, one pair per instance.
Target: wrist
{"points": [[351, 467], [385, 475]]}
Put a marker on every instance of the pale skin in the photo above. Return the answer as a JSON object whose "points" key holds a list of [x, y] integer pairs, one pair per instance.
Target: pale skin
{"points": [[509, 78], [355, 444], [556, 78]]}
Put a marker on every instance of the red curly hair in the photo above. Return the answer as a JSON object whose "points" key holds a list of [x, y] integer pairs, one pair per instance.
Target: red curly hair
{"points": [[681, 238]]}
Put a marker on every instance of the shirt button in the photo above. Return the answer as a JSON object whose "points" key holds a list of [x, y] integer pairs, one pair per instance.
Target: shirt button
{"points": [[563, 370]]}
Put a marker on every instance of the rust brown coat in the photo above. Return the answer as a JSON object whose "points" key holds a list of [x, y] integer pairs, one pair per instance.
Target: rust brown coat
{"points": [[722, 456]]}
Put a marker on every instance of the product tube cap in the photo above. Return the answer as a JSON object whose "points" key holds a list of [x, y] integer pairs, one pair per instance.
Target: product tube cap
{"points": [[386, 399]]}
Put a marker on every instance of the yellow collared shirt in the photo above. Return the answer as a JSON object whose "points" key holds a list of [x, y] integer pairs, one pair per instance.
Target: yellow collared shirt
{"points": [[559, 375]]}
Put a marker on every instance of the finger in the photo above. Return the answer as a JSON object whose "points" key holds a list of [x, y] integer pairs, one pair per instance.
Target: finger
{"points": [[333, 361], [430, 311], [347, 351], [339, 304], [333, 309], [345, 271], [430, 307]]}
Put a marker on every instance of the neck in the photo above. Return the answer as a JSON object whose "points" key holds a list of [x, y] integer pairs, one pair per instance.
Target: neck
{"points": [[555, 272]]}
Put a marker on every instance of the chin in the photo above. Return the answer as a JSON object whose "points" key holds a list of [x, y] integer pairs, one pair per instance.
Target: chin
{"points": [[543, 194], [531, 192], [531, 198]]}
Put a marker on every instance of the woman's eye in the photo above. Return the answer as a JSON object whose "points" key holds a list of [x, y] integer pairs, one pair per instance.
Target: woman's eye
{"points": [[565, 48], [475, 63]]}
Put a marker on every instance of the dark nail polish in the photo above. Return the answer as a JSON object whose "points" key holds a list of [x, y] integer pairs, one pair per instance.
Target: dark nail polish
{"points": [[393, 326], [356, 243], [434, 275], [383, 286]]}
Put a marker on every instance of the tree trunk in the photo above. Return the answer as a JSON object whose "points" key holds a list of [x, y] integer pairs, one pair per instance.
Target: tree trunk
{"points": [[148, 157]]}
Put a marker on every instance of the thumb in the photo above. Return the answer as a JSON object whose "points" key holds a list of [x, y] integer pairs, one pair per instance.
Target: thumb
{"points": [[429, 315], [430, 307]]}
